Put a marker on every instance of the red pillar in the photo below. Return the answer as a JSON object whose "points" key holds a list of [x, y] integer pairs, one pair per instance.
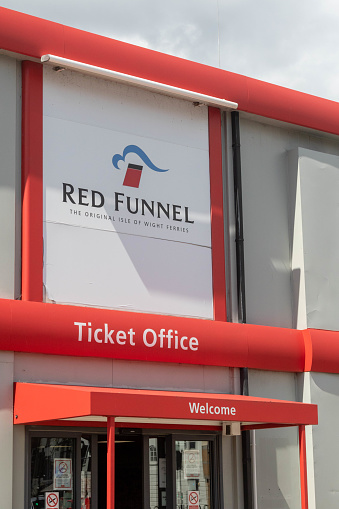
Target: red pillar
{"points": [[32, 189], [217, 214], [303, 467], [110, 462]]}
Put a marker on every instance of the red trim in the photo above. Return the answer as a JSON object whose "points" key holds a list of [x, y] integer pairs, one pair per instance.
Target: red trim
{"points": [[71, 424], [249, 427], [168, 426], [34, 37], [65, 401], [303, 468], [217, 214], [136, 425], [32, 190], [51, 329], [110, 462]]}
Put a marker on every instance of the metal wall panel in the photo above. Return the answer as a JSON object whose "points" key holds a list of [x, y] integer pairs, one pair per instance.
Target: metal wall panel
{"points": [[315, 212], [10, 178], [266, 199]]}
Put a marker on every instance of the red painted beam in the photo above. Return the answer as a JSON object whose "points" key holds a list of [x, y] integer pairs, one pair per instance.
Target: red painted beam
{"points": [[34, 37], [50, 329]]}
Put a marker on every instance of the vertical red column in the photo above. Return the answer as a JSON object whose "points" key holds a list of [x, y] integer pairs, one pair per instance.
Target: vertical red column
{"points": [[110, 462], [217, 214], [31, 184], [303, 468]]}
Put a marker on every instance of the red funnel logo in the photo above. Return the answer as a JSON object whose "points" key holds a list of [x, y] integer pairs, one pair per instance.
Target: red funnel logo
{"points": [[133, 175]]}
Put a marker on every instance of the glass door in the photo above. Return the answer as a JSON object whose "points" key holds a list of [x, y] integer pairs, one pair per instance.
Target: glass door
{"points": [[60, 471], [157, 473], [86, 472], [193, 474], [180, 472], [67, 470], [52, 472]]}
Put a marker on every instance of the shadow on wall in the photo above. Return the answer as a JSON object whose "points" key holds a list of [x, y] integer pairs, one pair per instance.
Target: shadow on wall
{"points": [[171, 267], [328, 383], [277, 462]]}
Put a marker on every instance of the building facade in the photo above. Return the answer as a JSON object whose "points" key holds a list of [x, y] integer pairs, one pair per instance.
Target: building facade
{"points": [[169, 281]]}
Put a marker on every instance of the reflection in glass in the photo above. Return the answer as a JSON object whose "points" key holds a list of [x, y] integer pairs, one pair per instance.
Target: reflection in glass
{"points": [[193, 479], [86, 473], [157, 472], [52, 470]]}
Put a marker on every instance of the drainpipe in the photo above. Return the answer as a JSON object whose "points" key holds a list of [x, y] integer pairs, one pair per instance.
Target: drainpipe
{"points": [[239, 239]]}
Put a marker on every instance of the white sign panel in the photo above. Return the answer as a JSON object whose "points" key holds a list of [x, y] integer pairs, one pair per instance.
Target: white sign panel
{"points": [[127, 198], [191, 464], [62, 477], [52, 500], [156, 189]]}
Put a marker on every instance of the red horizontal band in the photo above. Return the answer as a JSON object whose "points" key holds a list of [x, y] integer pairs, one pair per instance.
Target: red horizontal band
{"points": [[65, 330], [50, 329]]}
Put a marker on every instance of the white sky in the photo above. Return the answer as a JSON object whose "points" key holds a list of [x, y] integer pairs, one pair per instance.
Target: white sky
{"points": [[294, 43]]}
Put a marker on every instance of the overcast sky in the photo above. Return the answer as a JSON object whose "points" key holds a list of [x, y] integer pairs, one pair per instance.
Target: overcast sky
{"points": [[294, 43]]}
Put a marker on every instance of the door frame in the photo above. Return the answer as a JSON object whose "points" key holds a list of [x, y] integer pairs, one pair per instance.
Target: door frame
{"points": [[170, 435]]}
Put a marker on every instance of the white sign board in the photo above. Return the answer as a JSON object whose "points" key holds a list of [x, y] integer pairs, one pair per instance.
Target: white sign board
{"points": [[126, 198], [62, 476], [191, 464], [52, 500]]}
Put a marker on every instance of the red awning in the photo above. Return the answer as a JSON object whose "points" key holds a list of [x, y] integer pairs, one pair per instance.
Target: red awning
{"points": [[43, 402]]}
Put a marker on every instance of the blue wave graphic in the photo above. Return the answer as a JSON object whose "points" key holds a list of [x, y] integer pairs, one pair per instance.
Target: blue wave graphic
{"points": [[134, 149]]}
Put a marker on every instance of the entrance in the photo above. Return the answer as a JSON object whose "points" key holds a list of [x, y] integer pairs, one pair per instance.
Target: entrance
{"points": [[128, 471], [152, 470]]}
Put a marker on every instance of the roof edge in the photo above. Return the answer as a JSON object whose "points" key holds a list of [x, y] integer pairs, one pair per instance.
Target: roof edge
{"points": [[33, 37]]}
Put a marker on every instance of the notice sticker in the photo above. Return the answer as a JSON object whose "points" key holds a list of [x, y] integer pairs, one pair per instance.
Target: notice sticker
{"points": [[191, 464], [193, 499], [62, 478], [52, 500]]}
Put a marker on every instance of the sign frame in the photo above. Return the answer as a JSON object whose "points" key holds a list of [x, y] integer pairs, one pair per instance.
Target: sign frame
{"points": [[62, 474]]}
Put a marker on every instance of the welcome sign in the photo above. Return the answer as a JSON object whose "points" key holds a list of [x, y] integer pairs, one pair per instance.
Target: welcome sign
{"points": [[127, 198]]}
